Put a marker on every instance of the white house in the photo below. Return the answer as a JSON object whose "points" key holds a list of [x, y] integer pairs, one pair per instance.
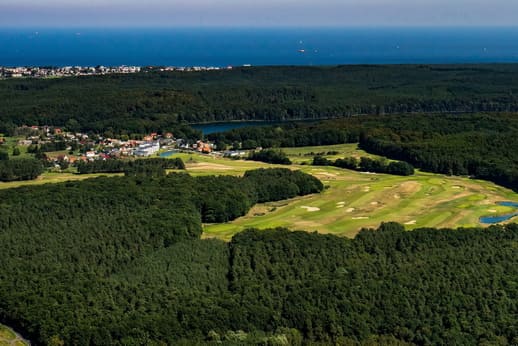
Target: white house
{"points": [[147, 149]]}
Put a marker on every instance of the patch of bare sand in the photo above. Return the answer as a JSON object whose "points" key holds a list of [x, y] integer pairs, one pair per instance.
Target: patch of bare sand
{"points": [[413, 222], [349, 210], [310, 209]]}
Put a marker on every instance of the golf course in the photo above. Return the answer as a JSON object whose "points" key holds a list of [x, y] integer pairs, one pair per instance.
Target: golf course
{"points": [[351, 201], [354, 200]]}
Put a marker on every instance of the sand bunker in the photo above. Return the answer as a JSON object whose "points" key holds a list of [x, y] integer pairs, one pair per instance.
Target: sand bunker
{"points": [[349, 210], [374, 203], [310, 209], [413, 222], [492, 211], [366, 189], [456, 187], [360, 218]]}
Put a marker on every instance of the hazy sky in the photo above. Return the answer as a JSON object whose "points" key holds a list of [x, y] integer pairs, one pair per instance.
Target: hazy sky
{"points": [[77, 13]]}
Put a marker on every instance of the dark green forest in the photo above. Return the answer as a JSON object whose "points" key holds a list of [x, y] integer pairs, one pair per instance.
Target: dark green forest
{"points": [[150, 166], [366, 164], [119, 261], [20, 169], [145, 102]]}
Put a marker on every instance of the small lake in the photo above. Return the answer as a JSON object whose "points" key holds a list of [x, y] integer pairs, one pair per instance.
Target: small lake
{"points": [[501, 218], [168, 153]]}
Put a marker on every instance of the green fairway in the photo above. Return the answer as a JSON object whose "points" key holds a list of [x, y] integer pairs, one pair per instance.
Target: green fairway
{"points": [[354, 200]]}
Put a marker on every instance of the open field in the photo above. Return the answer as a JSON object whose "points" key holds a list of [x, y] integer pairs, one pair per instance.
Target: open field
{"points": [[9, 338]]}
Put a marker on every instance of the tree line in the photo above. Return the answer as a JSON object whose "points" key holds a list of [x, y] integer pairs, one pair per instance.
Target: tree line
{"points": [[20, 169], [270, 156], [130, 167], [366, 164]]}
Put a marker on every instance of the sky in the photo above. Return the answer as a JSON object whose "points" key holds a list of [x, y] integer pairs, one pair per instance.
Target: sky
{"points": [[256, 13]]}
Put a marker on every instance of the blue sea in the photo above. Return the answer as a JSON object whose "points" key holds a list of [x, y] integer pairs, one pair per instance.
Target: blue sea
{"points": [[254, 46]]}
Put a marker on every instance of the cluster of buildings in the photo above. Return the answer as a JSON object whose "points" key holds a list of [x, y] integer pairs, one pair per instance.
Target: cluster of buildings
{"points": [[69, 71], [63, 148]]}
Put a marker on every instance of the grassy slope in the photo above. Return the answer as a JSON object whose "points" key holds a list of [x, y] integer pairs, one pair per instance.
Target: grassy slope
{"points": [[9, 338], [352, 200]]}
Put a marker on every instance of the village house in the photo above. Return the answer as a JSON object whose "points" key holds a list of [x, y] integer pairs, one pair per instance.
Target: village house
{"points": [[147, 149]]}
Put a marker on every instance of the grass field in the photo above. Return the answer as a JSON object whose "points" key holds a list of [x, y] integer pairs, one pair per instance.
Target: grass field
{"points": [[10, 338], [352, 200]]}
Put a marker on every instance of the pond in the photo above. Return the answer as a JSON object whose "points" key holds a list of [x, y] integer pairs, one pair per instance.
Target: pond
{"points": [[501, 218], [168, 153]]}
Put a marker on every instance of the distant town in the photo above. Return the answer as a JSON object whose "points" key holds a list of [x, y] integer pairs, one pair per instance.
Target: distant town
{"points": [[72, 71], [62, 148]]}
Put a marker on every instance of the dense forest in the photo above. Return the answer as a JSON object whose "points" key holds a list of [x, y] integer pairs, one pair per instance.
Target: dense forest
{"points": [[150, 166], [146, 102], [20, 169], [479, 145], [118, 261], [270, 156]]}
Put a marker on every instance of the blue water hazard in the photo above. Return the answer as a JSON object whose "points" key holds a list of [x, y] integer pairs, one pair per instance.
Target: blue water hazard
{"points": [[168, 153], [501, 218]]}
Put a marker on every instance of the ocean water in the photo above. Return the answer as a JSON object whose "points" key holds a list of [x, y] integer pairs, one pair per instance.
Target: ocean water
{"points": [[239, 46]]}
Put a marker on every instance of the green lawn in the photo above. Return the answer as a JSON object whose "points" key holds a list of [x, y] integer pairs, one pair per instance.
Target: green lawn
{"points": [[10, 143]]}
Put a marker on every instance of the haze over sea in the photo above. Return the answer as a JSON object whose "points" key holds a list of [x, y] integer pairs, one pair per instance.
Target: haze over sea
{"points": [[255, 46]]}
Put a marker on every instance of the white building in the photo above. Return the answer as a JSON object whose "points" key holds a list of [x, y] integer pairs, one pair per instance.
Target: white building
{"points": [[147, 149]]}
